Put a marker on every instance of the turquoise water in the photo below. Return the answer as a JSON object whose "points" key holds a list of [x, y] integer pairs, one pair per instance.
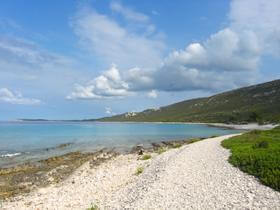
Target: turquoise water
{"points": [[22, 141]]}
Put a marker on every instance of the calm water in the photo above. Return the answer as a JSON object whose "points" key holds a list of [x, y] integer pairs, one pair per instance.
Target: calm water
{"points": [[22, 141]]}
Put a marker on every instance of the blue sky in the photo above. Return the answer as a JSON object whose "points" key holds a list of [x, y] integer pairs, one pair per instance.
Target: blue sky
{"points": [[87, 59]]}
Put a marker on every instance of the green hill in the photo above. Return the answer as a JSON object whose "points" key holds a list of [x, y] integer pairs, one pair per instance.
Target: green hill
{"points": [[258, 103]]}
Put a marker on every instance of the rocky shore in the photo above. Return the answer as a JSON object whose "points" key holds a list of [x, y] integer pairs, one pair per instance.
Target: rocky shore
{"points": [[192, 176], [27, 177], [24, 178]]}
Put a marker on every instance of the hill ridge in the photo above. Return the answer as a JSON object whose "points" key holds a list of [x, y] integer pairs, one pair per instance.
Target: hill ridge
{"points": [[256, 103]]}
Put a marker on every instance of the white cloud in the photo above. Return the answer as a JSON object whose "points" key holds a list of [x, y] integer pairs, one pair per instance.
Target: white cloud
{"points": [[121, 44], [128, 13], [29, 66], [8, 96], [108, 85], [24, 52], [262, 17], [228, 59], [152, 94], [109, 111]]}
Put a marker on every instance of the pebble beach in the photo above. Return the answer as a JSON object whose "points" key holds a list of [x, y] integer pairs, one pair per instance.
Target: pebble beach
{"points": [[194, 176]]}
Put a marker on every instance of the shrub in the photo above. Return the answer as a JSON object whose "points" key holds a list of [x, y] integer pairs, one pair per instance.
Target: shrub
{"points": [[194, 140], [257, 153], [93, 207], [161, 150], [139, 170], [262, 144], [176, 145], [214, 136], [255, 132], [146, 157]]}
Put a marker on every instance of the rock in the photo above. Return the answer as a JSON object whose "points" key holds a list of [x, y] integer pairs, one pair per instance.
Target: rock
{"points": [[139, 149], [140, 152]]}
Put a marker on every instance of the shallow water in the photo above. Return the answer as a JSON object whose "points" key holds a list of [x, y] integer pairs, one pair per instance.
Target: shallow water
{"points": [[22, 141]]}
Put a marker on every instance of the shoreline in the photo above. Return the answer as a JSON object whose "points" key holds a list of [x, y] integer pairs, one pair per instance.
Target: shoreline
{"points": [[245, 126], [10, 156], [31, 176], [27, 177], [42, 170], [167, 180], [248, 126]]}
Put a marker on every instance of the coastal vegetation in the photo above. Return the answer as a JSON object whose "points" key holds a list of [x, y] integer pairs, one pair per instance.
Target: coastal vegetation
{"points": [[146, 157], [29, 176], [257, 153], [176, 145], [93, 207], [258, 103], [139, 170], [161, 150]]}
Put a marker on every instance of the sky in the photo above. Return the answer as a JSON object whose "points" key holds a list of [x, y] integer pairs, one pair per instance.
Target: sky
{"points": [[77, 59]]}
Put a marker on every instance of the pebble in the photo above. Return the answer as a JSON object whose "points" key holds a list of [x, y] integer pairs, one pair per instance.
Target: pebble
{"points": [[195, 176]]}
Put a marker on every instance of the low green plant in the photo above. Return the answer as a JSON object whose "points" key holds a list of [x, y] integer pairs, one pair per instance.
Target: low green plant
{"points": [[257, 153], [93, 207], [146, 157], [161, 150], [261, 144], [176, 145], [139, 170], [214, 136], [194, 140]]}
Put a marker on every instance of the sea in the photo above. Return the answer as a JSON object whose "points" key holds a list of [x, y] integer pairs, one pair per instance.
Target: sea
{"points": [[30, 141]]}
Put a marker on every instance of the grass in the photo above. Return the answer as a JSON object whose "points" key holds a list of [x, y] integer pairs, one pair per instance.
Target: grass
{"points": [[139, 170], [146, 157], [257, 153]]}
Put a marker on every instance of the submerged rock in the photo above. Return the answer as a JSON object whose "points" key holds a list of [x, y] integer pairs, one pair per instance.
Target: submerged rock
{"points": [[29, 176]]}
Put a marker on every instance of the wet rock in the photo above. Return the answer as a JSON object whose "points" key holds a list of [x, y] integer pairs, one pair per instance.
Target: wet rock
{"points": [[29, 176], [61, 146], [139, 149]]}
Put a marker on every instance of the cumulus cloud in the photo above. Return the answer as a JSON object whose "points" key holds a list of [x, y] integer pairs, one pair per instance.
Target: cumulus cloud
{"points": [[8, 96], [109, 111], [222, 61], [115, 43], [108, 85], [260, 17], [152, 94], [228, 59]]}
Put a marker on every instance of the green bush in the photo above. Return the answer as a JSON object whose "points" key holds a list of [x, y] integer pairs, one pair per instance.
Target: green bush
{"points": [[161, 150], [257, 153], [194, 140], [146, 157], [93, 207], [139, 170], [262, 144], [176, 145]]}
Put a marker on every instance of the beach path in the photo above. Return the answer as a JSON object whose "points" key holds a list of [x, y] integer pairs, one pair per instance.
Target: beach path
{"points": [[194, 176]]}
